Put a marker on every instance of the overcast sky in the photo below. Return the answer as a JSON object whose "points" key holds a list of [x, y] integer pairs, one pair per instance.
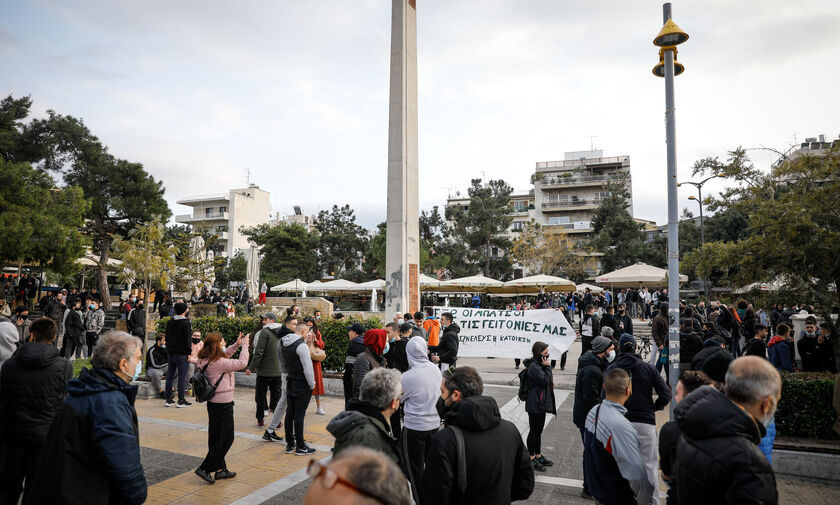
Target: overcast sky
{"points": [[297, 92]]}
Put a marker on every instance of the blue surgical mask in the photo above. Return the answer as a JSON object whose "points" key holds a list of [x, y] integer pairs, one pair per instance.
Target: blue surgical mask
{"points": [[387, 346], [400, 321], [92, 306]]}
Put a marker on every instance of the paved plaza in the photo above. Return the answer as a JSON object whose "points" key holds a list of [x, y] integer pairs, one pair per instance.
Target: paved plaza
{"points": [[174, 442]]}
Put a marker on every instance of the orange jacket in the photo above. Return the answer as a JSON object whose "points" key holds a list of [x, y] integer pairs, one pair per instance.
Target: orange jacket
{"points": [[432, 326]]}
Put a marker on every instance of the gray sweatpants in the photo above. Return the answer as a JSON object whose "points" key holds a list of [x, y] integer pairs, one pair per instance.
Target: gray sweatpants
{"points": [[649, 449], [280, 409]]}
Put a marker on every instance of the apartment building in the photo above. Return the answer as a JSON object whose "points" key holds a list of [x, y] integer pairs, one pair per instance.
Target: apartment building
{"points": [[226, 214]]}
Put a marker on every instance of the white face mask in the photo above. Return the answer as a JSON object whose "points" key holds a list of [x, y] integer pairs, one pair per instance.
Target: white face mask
{"points": [[611, 356]]}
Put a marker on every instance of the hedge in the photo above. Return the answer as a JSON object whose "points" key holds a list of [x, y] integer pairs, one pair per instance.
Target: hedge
{"points": [[79, 364], [805, 409], [333, 332]]}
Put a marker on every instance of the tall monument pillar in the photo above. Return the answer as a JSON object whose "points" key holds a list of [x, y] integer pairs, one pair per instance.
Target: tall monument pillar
{"points": [[402, 256]]}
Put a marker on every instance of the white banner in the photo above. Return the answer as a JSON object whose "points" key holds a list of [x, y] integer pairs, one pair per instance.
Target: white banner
{"points": [[509, 333]]}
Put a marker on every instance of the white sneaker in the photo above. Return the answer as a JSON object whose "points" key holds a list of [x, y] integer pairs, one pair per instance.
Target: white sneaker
{"points": [[320, 412]]}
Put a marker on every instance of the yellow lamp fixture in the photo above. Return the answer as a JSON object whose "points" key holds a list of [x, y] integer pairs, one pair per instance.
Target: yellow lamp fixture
{"points": [[670, 35], [659, 69]]}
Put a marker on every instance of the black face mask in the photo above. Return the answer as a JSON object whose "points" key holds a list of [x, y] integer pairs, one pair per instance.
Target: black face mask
{"points": [[196, 340], [442, 407]]}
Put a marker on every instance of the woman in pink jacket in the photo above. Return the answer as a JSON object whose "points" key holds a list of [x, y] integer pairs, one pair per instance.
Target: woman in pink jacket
{"points": [[220, 407]]}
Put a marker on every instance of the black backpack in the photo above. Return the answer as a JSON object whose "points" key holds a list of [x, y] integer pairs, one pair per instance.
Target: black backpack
{"points": [[201, 386], [524, 385]]}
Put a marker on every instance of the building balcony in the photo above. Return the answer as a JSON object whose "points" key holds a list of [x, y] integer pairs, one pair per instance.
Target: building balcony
{"points": [[548, 182], [566, 228], [191, 219], [579, 204], [197, 200], [617, 161]]}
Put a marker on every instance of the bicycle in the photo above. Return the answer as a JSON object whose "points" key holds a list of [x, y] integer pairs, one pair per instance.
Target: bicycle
{"points": [[646, 346]]}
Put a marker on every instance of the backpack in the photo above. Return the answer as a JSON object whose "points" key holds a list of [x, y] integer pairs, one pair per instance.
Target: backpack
{"points": [[524, 385], [202, 388]]}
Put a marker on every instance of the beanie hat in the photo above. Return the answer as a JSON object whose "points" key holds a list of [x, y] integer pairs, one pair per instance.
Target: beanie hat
{"points": [[627, 342], [717, 364], [180, 308], [600, 344]]}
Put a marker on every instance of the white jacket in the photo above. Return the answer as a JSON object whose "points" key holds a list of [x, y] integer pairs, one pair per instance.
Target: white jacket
{"points": [[420, 388]]}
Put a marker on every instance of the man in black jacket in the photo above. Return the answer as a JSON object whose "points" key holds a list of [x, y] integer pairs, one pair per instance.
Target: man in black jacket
{"points": [[718, 459], [641, 409], [446, 354], [710, 346], [590, 378], [74, 331], [624, 322], [356, 333], [590, 327], [608, 320], [690, 344], [179, 347], [157, 360], [496, 463], [34, 380]]}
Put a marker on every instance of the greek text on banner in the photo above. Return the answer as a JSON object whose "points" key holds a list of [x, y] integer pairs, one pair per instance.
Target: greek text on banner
{"points": [[509, 333]]}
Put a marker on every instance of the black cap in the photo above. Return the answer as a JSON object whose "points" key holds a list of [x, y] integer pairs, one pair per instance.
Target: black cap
{"points": [[358, 328], [406, 327], [180, 308], [717, 364]]}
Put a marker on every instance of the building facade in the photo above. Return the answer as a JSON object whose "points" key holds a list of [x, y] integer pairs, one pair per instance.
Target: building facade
{"points": [[226, 214]]}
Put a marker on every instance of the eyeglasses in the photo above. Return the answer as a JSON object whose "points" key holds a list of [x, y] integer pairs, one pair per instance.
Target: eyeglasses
{"points": [[330, 479]]}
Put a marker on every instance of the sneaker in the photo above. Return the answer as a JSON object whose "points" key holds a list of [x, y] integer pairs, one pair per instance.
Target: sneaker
{"points": [[260, 422], [320, 412], [290, 448], [225, 474], [304, 451], [204, 475], [537, 466], [183, 404], [271, 436], [545, 462], [169, 403]]}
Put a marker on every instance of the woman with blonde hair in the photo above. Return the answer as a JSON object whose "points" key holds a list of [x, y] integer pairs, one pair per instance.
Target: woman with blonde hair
{"points": [[220, 365]]}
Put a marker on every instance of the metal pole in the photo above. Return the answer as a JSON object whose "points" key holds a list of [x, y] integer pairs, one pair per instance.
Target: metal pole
{"points": [[703, 241], [673, 222]]}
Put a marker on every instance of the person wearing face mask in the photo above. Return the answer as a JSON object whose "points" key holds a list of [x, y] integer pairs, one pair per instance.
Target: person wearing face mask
{"points": [[157, 359], [811, 346], [718, 460], [590, 378], [92, 449], [540, 402], [624, 324], [496, 461], [22, 322], [367, 422], [94, 322], [641, 408], [375, 341]]}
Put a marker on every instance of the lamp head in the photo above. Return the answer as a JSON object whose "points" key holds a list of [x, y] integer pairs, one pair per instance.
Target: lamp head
{"points": [[692, 198], [659, 69], [670, 35]]}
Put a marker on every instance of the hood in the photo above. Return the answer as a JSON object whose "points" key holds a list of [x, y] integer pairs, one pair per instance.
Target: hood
{"points": [[454, 328], [775, 340], [37, 355], [98, 380], [375, 340], [8, 339], [628, 361], [288, 338], [433, 318], [588, 358], [707, 413], [477, 413], [274, 325], [359, 339], [418, 352], [358, 412]]}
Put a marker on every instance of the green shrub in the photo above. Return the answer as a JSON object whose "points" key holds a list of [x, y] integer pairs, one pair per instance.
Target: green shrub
{"points": [[335, 337], [805, 409], [228, 326], [203, 310], [78, 365]]}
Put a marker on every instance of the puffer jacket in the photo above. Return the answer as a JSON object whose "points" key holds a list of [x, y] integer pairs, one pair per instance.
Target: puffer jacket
{"points": [[363, 425], [34, 381], [92, 451], [226, 366], [590, 379], [447, 351], [541, 393], [718, 459], [640, 406]]}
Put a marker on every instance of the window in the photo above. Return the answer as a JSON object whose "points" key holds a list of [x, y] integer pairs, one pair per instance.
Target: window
{"points": [[517, 225], [520, 206], [495, 252], [601, 195], [222, 209], [558, 197], [208, 211], [558, 220]]}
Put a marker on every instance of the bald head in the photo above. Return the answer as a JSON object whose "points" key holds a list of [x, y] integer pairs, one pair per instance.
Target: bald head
{"points": [[751, 379]]}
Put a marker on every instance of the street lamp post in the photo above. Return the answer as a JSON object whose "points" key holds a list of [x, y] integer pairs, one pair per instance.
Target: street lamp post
{"points": [[699, 199], [668, 38]]}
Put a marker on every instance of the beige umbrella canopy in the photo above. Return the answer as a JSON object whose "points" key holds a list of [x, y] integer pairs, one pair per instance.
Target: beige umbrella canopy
{"points": [[377, 284], [640, 274], [428, 283], [534, 283], [592, 287], [338, 285], [473, 283], [296, 286]]}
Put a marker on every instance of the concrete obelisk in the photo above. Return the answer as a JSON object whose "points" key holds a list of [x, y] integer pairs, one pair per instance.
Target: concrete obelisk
{"points": [[402, 255]]}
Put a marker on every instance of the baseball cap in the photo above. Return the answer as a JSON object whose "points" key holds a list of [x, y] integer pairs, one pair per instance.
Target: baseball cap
{"points": [[358, 328]]}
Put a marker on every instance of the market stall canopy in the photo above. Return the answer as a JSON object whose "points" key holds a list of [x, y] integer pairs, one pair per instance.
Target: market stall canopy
{"points": [[592, 287], [428, 283], [296, 286], [336, 286], [378, 284], [637, 275], [473, 283], [534, 283]]}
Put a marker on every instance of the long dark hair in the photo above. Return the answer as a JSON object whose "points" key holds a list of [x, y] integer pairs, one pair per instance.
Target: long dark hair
{"points": [[537, 349], [310, 319]]}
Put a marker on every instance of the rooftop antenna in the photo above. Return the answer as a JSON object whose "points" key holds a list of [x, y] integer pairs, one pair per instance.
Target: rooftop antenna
{"points": [[591, 141], [247, 177]]}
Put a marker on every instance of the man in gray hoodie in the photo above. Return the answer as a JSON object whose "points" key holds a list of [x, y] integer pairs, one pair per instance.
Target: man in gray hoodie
{"points": [[420, 393]]}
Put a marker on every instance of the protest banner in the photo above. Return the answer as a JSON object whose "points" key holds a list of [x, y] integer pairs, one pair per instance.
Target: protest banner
{"points": [[509, 333]]}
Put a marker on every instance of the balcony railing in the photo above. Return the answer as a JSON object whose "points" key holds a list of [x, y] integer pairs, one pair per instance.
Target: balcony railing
{"points": [[589, 162], [572, 203], [190, 218], [583, 180]]}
